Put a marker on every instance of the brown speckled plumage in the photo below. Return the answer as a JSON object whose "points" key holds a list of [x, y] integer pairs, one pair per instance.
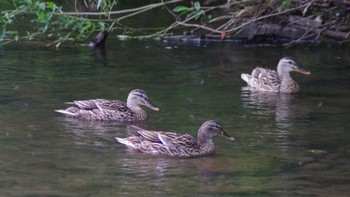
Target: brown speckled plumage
{"points": [[173, 144], [111, 110], [263, 79]]}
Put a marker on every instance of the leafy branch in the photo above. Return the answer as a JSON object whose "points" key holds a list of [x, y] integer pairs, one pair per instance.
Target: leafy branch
{"points": [[50, 22]]}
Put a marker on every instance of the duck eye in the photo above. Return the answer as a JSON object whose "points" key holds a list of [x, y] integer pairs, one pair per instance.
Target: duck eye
{"points": [[218, 127], [144, 97], [140, 95]]}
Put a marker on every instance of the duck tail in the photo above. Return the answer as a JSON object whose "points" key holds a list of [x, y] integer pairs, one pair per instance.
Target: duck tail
{"points": [[245, 77], [65, 112], [136, 128], [125, 142]]}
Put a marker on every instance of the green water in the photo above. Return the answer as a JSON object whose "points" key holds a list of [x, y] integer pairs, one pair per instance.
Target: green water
{"points": [[285, 145]]}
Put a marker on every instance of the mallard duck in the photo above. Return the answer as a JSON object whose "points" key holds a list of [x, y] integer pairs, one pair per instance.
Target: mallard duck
{"points": [[173, 144], [263, 79], [111, 110]]}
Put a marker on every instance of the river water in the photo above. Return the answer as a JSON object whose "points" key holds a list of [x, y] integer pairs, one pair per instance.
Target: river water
{"points": [[286, 145]]}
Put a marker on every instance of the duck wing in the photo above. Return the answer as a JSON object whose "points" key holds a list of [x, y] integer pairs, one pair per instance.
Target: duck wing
{"points": [[113, 105], [84, 104], [185, 141], [158, 136], [169, 143], [263, 79], [99, 104], [168, 138]]}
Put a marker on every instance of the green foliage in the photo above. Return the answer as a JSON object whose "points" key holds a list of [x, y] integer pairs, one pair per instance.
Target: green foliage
{"points": [[47, 19], [196, 10]]}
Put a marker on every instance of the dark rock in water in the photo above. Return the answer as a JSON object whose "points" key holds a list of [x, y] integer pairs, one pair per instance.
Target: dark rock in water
{"points": [[99, 40]]}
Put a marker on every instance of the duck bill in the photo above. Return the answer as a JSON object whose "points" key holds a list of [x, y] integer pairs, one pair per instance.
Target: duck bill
{"points": [[227, 136], [302, 71], [150, 105]]}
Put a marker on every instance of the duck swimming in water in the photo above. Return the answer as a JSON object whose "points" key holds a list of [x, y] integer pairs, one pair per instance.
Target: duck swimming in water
{"points": [[174, 144], [263, 79], [111, 110]]}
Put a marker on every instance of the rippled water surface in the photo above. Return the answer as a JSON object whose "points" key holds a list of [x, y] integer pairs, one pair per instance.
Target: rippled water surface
{"points": [[286, 145]]}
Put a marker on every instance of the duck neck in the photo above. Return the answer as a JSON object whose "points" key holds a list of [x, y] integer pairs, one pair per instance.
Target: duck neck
{"points": [[208, 147], [284, 76], [288, 85], [205, 141], [136, 109]]}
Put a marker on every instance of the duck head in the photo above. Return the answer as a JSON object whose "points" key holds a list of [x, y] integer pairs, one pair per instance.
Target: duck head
{"points": [[287, 65], [139, 97], [210, 129]]}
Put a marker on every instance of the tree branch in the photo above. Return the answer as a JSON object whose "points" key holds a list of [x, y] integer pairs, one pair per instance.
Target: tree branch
{"points": [[146, 7], [266, 16]]}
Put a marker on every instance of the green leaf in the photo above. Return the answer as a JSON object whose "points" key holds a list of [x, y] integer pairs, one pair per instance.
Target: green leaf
{"points": [[42, 17], [197, 6], [180, 8], [51, 5], [14, 32], [102, 25], [99, 4]]}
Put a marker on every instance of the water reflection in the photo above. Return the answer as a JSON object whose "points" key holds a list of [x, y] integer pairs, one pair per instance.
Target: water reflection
{"points": [[284, 106], [285, 109], [174, 174], [141, 164], [100, 54], [85, 132]]}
